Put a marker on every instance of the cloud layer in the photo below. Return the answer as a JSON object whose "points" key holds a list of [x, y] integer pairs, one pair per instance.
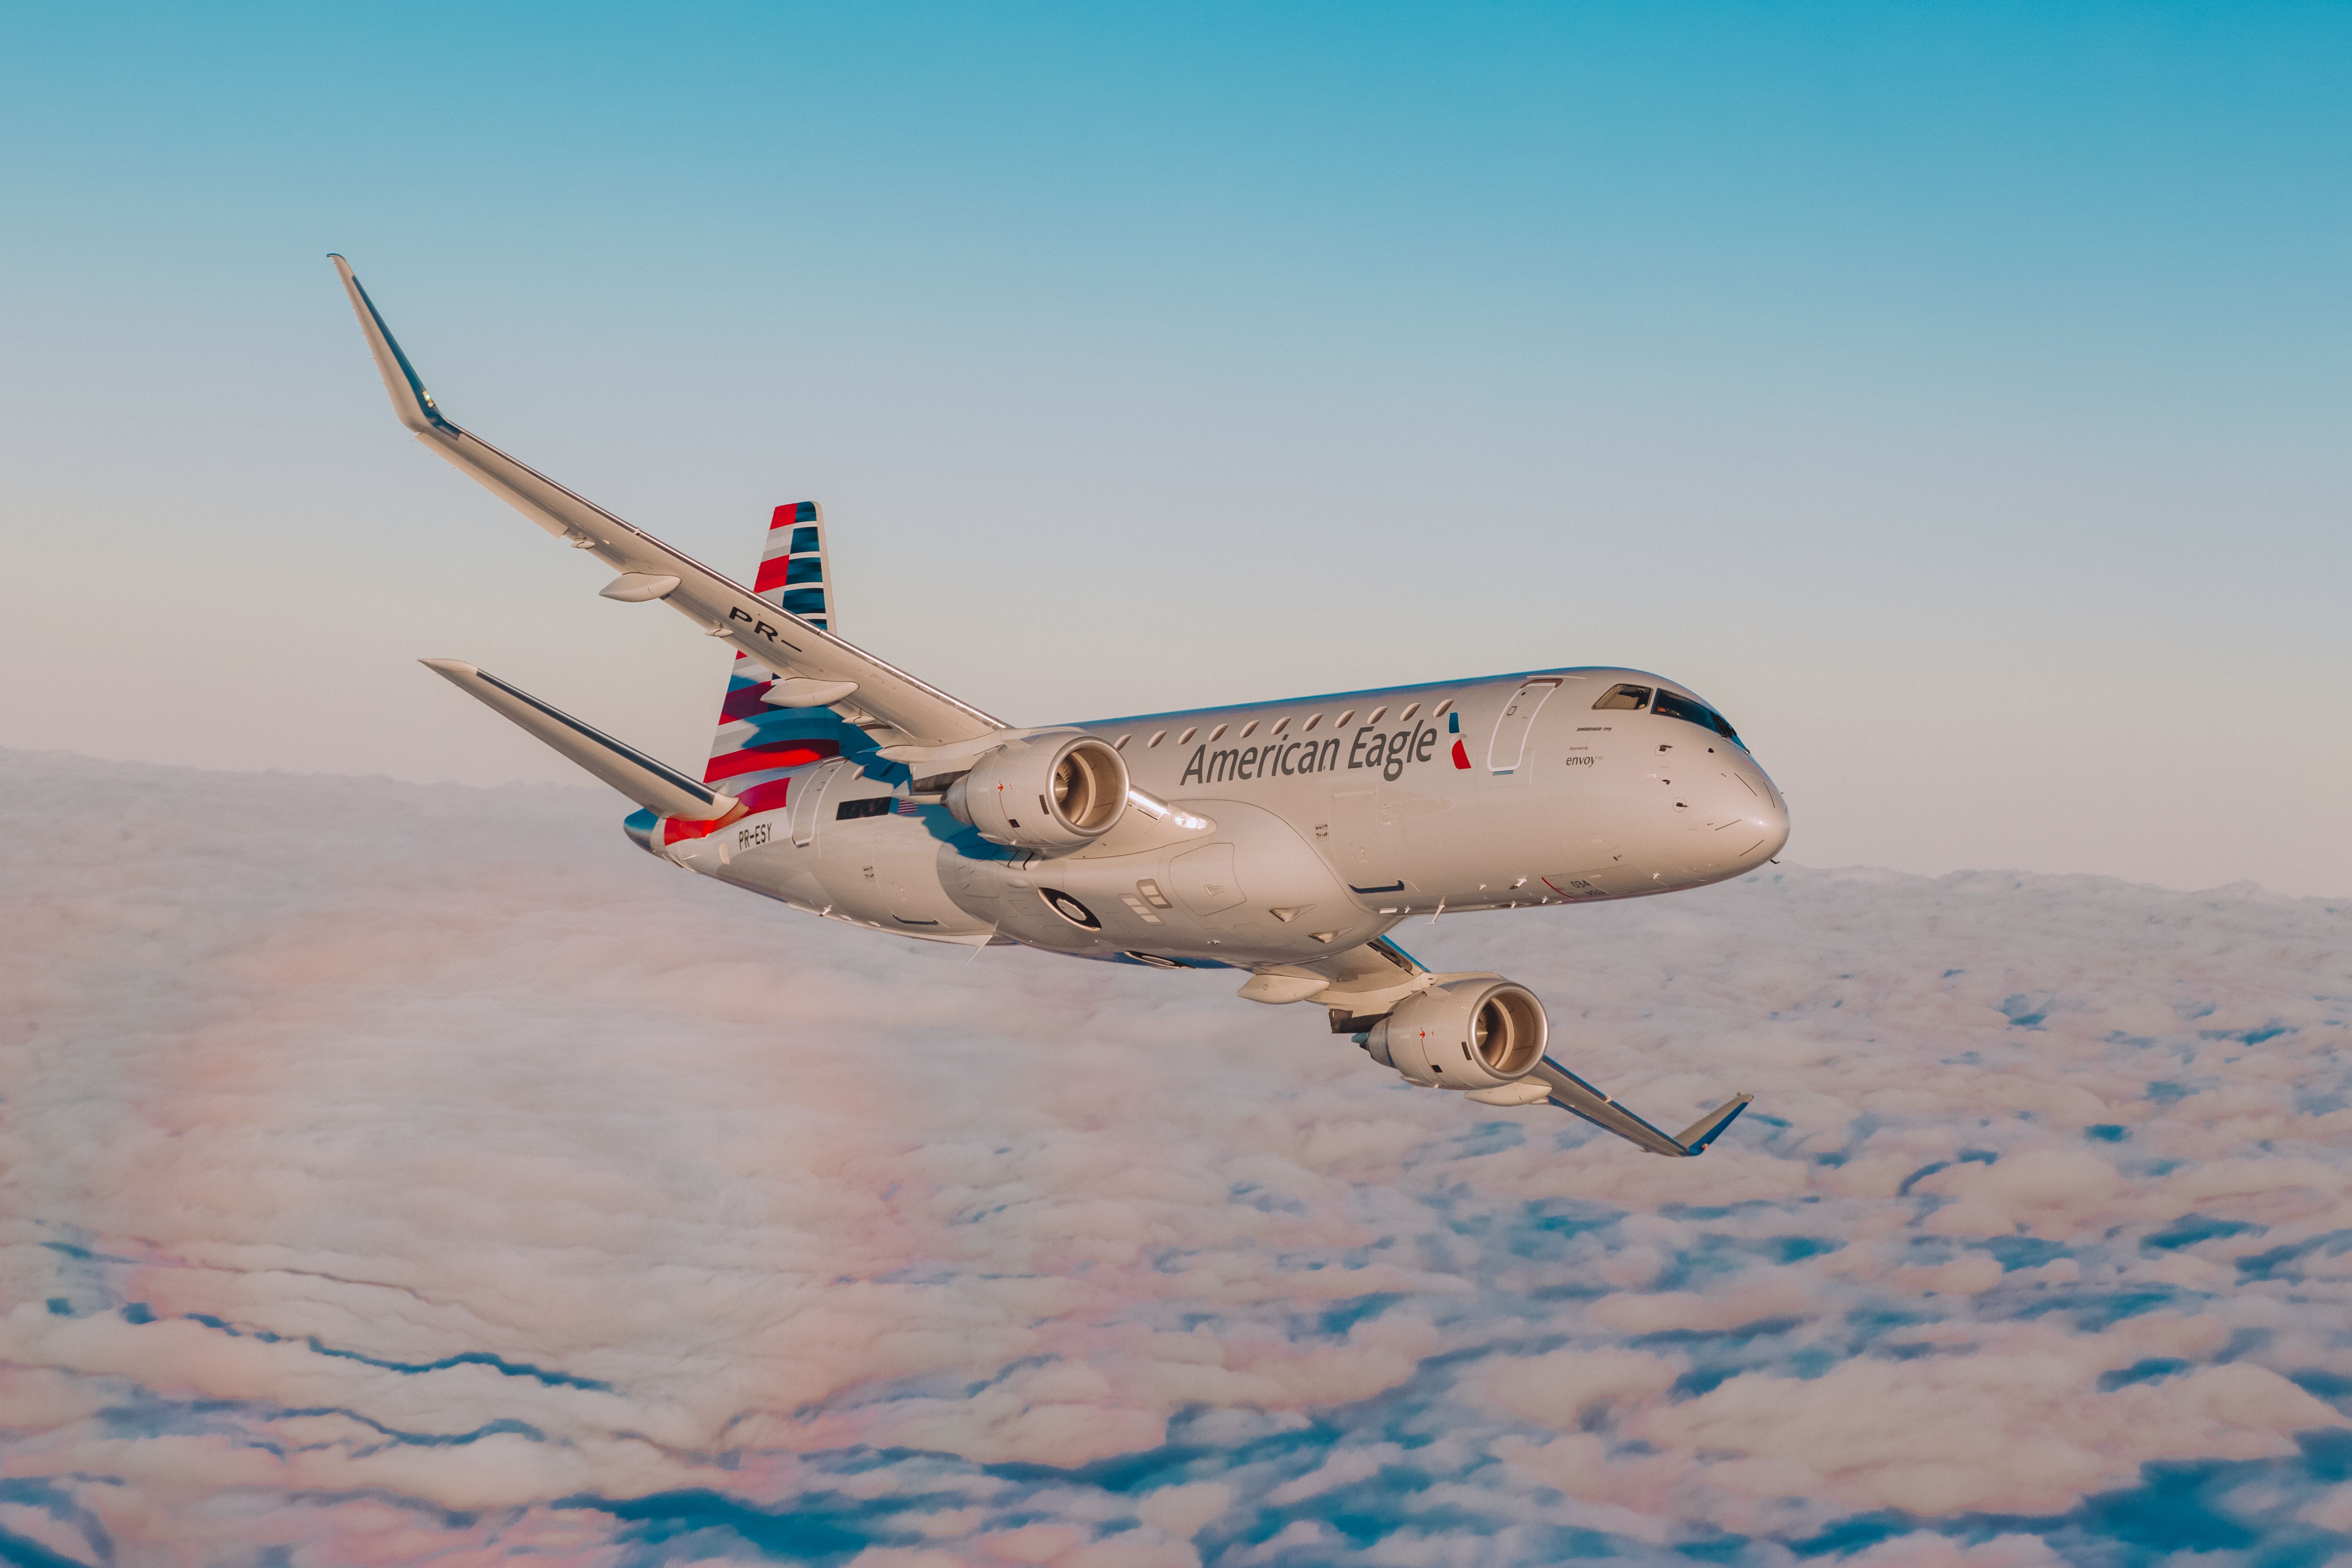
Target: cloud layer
{"points": [[398, 1174]]}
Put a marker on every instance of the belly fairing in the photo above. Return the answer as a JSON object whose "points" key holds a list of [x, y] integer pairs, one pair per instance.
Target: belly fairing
{"points": [[1252, 890]]}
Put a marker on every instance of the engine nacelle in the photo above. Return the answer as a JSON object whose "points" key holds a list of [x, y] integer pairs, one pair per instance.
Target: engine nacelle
{"points": [[1477, 1032], [1056, 792]]}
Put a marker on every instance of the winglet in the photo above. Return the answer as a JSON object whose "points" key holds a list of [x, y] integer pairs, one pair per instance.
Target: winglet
{"points": [[409, 399], [1574, 1095], [1707, 1127]]}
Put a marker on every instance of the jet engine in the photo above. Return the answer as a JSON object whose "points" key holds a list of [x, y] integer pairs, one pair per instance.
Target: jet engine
{"points": [[1056, 792], [1476, 1032]]}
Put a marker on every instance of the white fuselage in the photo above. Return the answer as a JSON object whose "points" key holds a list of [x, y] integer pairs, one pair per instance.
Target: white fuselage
{"points": [[1321, 823], [1282, 838]]}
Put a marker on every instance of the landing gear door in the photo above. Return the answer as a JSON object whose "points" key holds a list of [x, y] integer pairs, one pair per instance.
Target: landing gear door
{"points": [[1510, 741], [808, 794]]}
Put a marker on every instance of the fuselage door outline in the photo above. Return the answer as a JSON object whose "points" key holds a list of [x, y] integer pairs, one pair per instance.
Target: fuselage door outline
{"points": [[1510, 741], [808, 794]]}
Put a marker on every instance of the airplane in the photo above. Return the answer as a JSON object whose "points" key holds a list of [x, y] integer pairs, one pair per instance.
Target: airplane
{"points": [[1284, 840]]}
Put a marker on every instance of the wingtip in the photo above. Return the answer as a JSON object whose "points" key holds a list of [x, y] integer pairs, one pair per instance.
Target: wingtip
{"points": [[1708, 1128], [452, 667], [409, 401]]}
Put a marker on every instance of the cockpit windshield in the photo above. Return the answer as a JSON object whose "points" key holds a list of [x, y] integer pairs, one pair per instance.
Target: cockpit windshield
{"points": [[1630, 699], [1698, 713]]}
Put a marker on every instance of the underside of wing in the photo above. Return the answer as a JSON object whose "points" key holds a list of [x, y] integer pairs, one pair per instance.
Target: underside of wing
{"points": [[896, 708], [1362, 984], [1357, 983]]}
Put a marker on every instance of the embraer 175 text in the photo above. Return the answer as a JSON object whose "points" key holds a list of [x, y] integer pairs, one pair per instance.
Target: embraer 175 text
{"points": [[1281, 839]]}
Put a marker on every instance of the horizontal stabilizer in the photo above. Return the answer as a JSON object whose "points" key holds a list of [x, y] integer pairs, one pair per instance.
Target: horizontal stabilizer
{"points": [[1572, 1094], [653, 784]]}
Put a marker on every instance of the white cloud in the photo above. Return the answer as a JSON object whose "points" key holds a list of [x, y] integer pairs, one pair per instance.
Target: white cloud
{"points": [[388, 1165], [2020, 1429]]}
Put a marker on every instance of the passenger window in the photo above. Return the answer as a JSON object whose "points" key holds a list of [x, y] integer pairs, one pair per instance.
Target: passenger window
{"points": [[1625, 699]]}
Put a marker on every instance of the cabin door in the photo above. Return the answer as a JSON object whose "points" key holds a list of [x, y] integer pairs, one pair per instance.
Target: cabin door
{"points": [[1510, 741]]}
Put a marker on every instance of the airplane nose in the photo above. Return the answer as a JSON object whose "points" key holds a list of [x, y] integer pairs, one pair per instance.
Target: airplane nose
{"points": [[1745, 817], [1770, 815], [1731, 818]]}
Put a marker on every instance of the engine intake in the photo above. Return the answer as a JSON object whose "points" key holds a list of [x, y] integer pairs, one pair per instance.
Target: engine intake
{"points": [[1477, 1032], [1056, 792]]}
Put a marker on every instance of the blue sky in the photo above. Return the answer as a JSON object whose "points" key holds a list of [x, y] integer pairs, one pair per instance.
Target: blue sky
{"points": [[1956, 394]]}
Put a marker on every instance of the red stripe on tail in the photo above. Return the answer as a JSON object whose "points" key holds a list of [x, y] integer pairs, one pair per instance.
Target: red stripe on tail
{"points": [[775, 754]]}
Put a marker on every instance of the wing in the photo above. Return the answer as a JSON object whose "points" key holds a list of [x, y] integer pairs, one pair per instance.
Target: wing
{"points": [[1363, 983], [898, 709]]}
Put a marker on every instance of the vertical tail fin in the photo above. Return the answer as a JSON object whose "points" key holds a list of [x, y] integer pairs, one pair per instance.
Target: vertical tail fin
{"points": [[794, 571], [757, 743]]}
